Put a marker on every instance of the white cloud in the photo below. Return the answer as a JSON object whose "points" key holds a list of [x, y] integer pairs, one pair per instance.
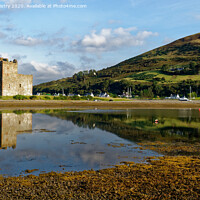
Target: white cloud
{"points": [[110, 40], [145, 34], [13, 56], [40, 40], [29, 41], [43, 72], [4, 55], [94, 39]]}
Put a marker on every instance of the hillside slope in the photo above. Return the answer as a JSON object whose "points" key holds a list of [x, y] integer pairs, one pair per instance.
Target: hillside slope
{"points": [[180, 51], [141, 72]]}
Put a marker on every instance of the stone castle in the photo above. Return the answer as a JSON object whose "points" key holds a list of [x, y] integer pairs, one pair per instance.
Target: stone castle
{"points": [[12, 83]]}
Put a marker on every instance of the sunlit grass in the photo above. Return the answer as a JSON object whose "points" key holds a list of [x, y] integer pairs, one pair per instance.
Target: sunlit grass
{"points": [[168, 78]]}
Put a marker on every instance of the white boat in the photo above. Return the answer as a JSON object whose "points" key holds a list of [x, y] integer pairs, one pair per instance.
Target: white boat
{"points": [[184, 99]]}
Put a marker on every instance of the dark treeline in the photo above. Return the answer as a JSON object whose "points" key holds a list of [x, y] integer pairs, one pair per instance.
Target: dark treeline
{"points": [[115, 88]]}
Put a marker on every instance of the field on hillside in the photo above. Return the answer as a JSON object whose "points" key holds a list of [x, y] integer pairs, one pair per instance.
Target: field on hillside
{"points": [[149, 76]]}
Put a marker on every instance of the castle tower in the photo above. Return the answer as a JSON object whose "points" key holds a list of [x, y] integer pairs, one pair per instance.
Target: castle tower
{"points": [[12, 83]]}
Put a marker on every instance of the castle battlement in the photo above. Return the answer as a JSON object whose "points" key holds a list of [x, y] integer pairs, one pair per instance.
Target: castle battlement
{"points": [[12, 83], [6, 60]]}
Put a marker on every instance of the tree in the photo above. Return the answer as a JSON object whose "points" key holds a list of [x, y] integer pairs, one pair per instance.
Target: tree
{"points": [[147, 93], [192, 66], [165, 68], [158, 89], [104, 86]]}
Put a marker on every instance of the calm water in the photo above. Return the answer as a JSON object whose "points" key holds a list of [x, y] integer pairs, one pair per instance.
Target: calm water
{"points": [[63, 140]]}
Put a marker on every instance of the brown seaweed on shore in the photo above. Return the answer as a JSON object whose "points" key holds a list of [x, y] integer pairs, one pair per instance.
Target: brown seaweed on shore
{"points": [[166, 178], [173, 149]]}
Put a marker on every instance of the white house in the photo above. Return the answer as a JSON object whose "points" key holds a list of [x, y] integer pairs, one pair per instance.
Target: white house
{"points": [[89, 94], [104, 95]]}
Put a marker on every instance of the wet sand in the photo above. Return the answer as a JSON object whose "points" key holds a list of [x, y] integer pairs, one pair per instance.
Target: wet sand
{"points": [[38, 104]]}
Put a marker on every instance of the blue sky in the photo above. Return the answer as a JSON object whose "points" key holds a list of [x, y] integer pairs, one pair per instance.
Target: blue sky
{"points": [[53, 43]]}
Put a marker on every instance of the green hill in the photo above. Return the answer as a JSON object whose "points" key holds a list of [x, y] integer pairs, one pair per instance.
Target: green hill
{"points": [[166, 70]]}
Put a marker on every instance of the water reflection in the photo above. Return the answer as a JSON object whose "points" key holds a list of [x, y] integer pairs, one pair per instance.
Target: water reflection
{"points": [[79, 140], [58, 144], [141, 124], [11, 125]]}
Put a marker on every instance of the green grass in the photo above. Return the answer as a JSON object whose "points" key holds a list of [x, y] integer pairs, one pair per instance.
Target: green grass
{"points": [[45, 97], [142, 76], [148, 76], [114, 99], [7, 98], [178, 78]]}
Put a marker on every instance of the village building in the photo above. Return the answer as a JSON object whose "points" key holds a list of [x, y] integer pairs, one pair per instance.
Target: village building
{"points": [[12, 83], [89, 94], [104, 95], [172, 96]]}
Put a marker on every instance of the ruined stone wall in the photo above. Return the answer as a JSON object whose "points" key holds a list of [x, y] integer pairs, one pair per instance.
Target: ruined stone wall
{"points": [[12, 125], [13, 83], [9, 67]]}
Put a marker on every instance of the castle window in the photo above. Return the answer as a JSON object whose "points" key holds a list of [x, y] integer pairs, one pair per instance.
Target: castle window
{"points": [[9, 86], [20, 85]]}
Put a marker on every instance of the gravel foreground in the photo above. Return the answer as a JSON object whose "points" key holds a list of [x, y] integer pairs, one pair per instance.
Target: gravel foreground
{"points": [[168, 177]]}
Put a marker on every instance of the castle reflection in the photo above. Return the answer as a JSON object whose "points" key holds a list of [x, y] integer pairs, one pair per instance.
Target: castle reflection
{"points": [[11, 125]]}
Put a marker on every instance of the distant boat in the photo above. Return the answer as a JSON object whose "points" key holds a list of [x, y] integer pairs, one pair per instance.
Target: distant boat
{"points": [[184, 99]]}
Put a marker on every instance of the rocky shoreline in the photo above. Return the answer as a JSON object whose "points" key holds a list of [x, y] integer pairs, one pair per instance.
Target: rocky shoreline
{"points": [[166, 178], [5, 104], [173, 176]]}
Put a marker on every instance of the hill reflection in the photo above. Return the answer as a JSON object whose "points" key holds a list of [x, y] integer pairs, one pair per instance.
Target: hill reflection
{"points": [[135, 125], [140, 125]]}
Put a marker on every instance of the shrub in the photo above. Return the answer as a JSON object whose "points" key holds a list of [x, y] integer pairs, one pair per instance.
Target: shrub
{"points": [[47, 98], [75, 97], [19, 112], [56, 98], [19, 97], [87, 98], [33, 97], [60, 98]]}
